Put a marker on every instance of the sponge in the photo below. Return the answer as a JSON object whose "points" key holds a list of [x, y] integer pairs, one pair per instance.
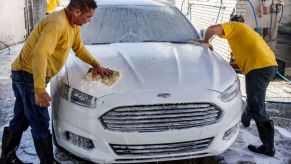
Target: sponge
{"points": [[109, 81]]}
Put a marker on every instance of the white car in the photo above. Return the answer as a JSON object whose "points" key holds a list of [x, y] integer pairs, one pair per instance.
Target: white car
{"points": [[174, 99]]}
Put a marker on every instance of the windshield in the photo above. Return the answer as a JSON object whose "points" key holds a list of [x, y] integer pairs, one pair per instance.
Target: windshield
{"points": [[113, 24]]}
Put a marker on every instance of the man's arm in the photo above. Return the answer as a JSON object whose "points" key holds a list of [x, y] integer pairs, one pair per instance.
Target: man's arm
{"points": [[40, 53], [213, 30], [82, 53]]}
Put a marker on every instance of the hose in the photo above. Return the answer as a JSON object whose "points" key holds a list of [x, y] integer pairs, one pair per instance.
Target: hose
{"points": [[257, 28], [254, 12], [274, 102], [283, 77], [6, 47], [255, 15], [279, 102]]}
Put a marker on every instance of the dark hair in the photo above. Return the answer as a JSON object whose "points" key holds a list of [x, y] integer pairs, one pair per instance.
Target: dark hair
{"points": [[83, 5], [237, 18]]}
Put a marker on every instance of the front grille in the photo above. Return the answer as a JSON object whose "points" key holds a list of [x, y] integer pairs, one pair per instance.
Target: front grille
{"points": [[162, 117], [161, 149], [173, 157]]}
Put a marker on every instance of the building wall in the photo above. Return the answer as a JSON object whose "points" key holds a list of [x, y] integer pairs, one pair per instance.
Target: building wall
{"points": [[267, 23], [39, 10], [18, 19], [12, 29]]}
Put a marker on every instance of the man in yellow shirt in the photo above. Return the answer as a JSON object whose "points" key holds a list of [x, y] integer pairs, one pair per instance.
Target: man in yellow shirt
{"points": [[257, 61], [51, 5], [42, 56]]}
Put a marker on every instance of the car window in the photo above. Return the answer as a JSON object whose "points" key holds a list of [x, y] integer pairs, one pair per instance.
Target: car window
{"points": [[113, 24]]}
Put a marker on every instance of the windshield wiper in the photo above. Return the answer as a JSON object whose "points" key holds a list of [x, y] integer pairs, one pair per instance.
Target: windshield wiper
{"points": [[164, 41], [154, 41], [175, 42], [198, 42], [98, 43], [193, 41]]}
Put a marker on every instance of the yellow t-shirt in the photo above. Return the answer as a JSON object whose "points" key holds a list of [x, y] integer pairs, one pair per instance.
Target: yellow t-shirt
{"points": [[51, 5], [249, 49], [46, 49]]}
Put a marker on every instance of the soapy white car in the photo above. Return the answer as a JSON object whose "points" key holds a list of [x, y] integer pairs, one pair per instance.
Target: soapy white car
{"points": [[174, 99]]}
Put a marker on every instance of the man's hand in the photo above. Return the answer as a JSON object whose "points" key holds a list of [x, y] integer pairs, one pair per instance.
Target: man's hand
{"points": [[204, 42], [103, 72], [42, 99]]}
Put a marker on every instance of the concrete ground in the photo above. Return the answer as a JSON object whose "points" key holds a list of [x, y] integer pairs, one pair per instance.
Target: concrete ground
{"points": [[278, 91]]}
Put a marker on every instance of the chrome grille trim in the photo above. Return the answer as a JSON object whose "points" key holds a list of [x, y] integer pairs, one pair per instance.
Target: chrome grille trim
{"points": [[161, 149], [175, 157], [161, 117]]}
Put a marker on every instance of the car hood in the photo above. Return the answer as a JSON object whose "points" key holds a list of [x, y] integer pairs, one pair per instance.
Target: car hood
{"points": [[152, 67]]}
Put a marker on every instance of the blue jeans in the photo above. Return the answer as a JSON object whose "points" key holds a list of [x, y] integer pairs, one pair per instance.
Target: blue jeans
{"points": [[256, 85], [26, 112]]}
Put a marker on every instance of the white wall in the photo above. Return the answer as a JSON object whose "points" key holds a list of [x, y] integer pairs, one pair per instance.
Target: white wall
{"points": [[268, 21], [264, 20], [12, 23]]}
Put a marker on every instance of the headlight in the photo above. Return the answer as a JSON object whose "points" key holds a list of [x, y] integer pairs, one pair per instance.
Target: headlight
{"points": [[230, 92], [76, 96], [83, 99], [64, 90]]}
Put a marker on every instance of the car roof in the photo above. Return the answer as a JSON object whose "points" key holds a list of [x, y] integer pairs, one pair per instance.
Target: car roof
{"points": [[133, 3]]}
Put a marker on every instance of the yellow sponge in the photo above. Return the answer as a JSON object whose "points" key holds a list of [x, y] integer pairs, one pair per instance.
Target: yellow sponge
{"points": [[107, 81]]}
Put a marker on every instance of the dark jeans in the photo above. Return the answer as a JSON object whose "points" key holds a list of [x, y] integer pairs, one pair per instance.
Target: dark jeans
{"points": [[26, 112], [256, 85]]}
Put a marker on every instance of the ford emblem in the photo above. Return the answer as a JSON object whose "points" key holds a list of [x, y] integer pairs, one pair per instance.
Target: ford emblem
{"points": [[164, 95]]}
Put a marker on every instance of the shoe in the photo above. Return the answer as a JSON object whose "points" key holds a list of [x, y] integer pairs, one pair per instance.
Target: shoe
{"points": [[266, 134], [44, 150], [10, 143], [262, 150]]}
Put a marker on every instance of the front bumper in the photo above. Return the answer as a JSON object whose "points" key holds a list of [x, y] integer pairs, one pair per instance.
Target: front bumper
{"points": [[82, 121]]}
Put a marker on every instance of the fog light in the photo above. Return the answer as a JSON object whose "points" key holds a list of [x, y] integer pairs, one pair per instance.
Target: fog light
{"points": [[79, 141], [230, 132]]}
